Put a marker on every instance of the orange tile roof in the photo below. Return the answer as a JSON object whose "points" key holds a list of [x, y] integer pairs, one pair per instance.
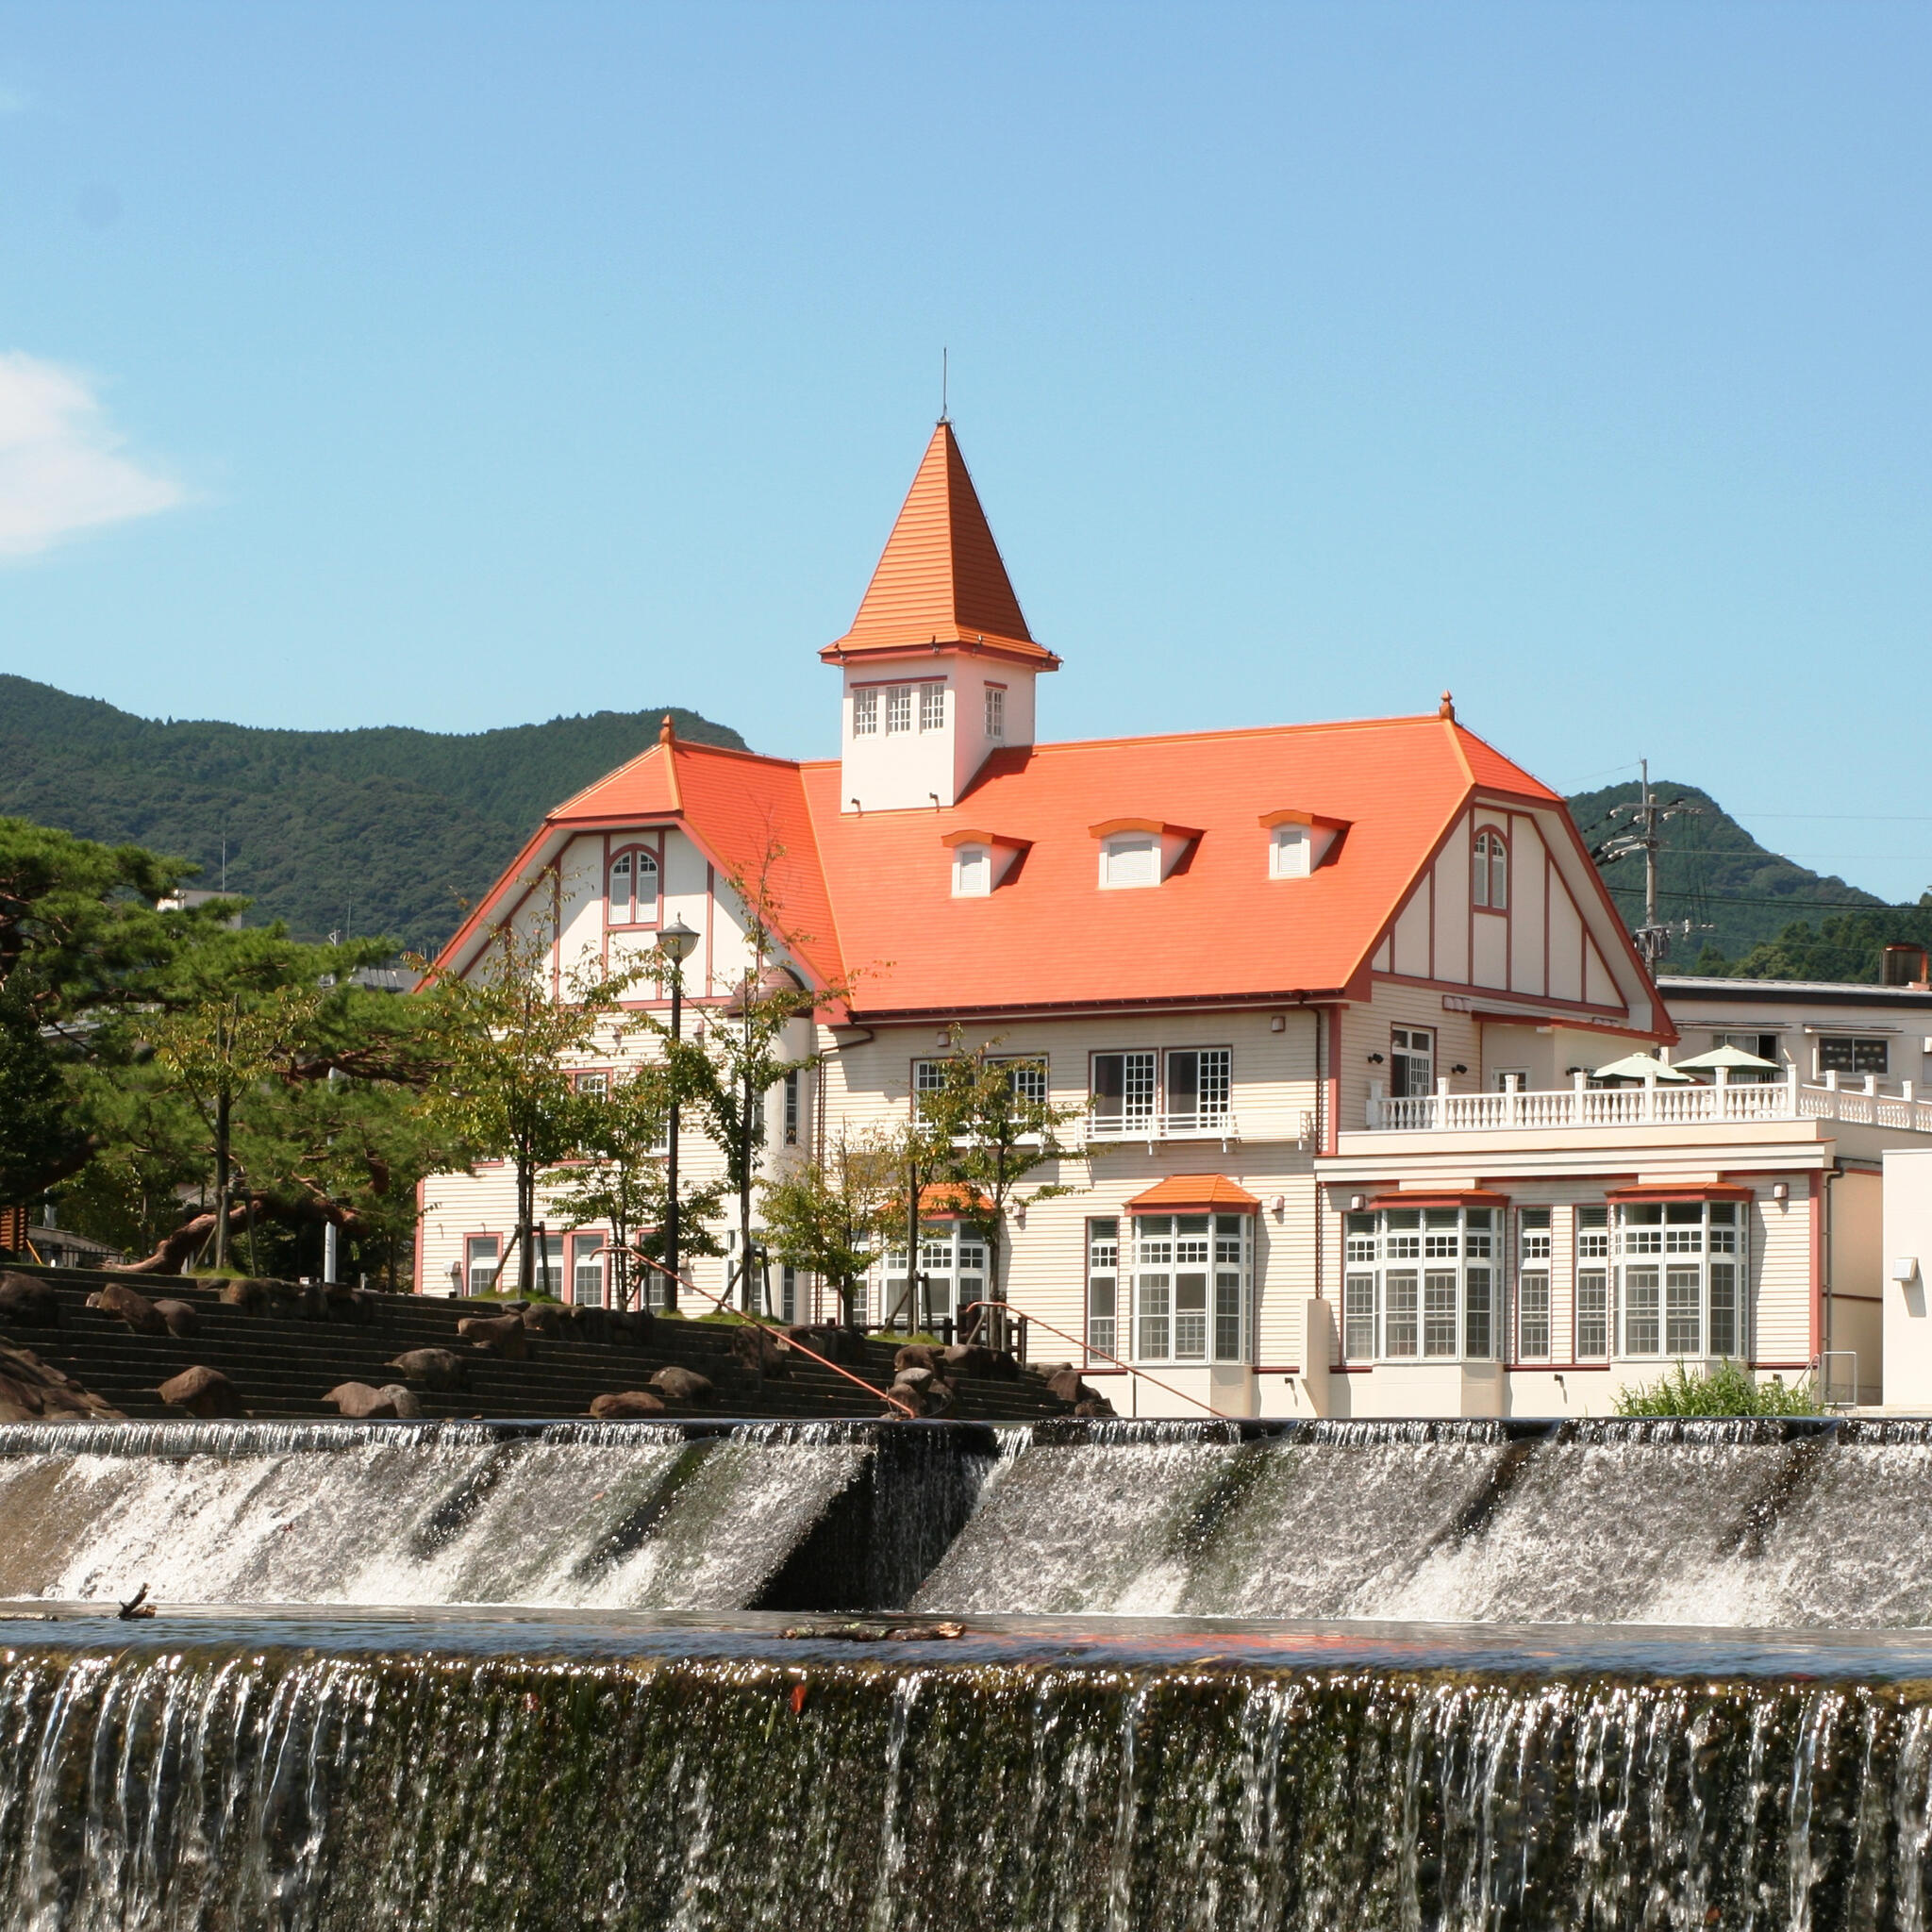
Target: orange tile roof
{"points": [[940, 578], [1194, 1193]]}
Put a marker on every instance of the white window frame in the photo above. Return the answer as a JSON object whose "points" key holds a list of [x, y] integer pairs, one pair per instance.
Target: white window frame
{"points": [[636, 863], [481, 1253], [1489, 877], [1535, 1336], [996, 711], [953, 1256], [1291, 852], [932, 708], [588, 1283], [1104, 1337], [898, 710], [1411, 1049], [1140, 1095], [1422, 1284], [1170, 1252], [865, 711], [1863, 1048], [1683, 1280], [971, 872], [1116, 851]]}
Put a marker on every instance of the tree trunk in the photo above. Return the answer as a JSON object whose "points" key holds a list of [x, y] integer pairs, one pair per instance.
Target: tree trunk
{"points": [[221, 1176], [746, 1140], [526, 1214]]}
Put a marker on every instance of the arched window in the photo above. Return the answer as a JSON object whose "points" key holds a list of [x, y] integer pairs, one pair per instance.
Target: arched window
{"points": [[633, 888], [1489, 873]]}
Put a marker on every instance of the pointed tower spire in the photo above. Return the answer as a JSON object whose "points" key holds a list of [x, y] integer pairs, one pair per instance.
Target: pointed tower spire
{"points": [[941, 580]]}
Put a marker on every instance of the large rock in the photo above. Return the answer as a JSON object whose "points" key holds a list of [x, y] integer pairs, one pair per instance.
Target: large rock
{"points": [[920, 1355], [588, 1325], [25, 1303], [846, 1346], [403, 1399], [346, 1304], [969, 1359], [32, 1391], [1065, 1382], [627, 1405], [435, 1368], [914, 1375], [545, 1318], [359, 1402], [249, 1295], [633, 1325], [131, 1305], [203, 1392], [682, 1385], [297, 1301], [1097, 1406], [180, 1317], [758, 1348], [503, 1334]]}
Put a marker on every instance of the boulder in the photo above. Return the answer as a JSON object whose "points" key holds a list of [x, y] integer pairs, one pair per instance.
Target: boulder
{"points": [[297, 1301], [633, 1325], [359, 1402], [28, 1303], [251, 1297], [1097, 1405], [758, 1348], [406, 1404], [32, 1391], [626, 1406], [180, 1317], [503, 1334], [545, 1318], [1065, 1382], [969, 1359], [920, 1355], [930, 1397], [589, 1324], [435, 1368], [345, 1304], [914, 1375], [131, 1305], [682, 1385], [203, 1392], [846, 1346]]}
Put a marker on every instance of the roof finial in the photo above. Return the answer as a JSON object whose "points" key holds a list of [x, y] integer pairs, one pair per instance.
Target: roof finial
{"points": [[944, 372], [667, 732], [1446, 711]]}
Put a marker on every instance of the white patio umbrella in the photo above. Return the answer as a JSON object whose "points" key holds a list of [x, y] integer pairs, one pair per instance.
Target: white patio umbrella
{"points": [[1638, 1066], [1733, 1058]]}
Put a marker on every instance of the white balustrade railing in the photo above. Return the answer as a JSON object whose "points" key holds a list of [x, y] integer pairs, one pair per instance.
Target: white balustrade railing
{"points": [[1654, 1104], [1208, 1124]]}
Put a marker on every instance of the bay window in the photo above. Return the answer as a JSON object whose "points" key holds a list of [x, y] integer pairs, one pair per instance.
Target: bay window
{"points": [[1190, 1285], [1420, 1283], [1681, 1282], [1533, 1285], [1103, 1285]]}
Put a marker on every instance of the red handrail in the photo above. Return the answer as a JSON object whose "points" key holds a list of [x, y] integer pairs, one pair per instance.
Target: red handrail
{"points": [[1027, 1314], [885, 1395]]}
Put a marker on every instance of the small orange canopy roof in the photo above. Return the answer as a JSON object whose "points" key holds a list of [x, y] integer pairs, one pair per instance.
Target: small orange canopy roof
{"points": [[1194, 1193], [940, 578]]}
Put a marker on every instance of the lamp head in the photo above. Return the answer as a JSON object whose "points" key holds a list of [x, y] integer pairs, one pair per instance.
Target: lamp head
{"points": [[676, 939]]}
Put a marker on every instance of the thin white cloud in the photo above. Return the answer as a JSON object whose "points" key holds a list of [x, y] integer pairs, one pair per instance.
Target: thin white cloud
{"points": [[61, 466]]}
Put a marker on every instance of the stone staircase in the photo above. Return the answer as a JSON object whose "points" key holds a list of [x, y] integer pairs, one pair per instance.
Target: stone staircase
{"points": [[283, 1367]]}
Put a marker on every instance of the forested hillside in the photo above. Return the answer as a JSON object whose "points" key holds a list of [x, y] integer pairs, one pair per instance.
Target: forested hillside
{"points": [[378, 831], [1713, 872]]}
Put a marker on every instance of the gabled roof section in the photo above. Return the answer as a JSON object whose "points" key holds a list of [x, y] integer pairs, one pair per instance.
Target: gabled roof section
{"points": [[941, 580], [645, 788]]}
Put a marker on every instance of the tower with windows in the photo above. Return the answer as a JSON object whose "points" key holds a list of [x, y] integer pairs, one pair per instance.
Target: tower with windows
{"points": [[939, 665]]}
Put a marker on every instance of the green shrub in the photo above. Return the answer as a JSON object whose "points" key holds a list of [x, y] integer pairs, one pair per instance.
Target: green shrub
{"points": [[1730, 1390]]}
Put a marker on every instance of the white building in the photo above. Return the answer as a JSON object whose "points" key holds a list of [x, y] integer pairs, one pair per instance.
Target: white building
{"points": [[1327, 997]]}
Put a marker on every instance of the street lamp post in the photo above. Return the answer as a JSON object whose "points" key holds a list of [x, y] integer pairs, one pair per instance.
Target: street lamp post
{"points": [[675, 942]]}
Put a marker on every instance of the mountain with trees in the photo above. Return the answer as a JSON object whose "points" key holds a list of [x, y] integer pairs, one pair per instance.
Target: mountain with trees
{"points": [[384, 831], [1743, 902]]}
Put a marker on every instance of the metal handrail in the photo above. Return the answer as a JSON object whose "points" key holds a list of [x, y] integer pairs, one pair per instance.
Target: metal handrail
{"points": [[1088, 1348], [885, 1395]]}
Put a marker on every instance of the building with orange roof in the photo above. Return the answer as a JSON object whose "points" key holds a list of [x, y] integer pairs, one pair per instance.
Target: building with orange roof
{"points": [[1326, 1001]]}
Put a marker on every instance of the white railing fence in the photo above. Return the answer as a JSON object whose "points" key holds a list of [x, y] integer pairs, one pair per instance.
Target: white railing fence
{"points": [[1654, 1104]]}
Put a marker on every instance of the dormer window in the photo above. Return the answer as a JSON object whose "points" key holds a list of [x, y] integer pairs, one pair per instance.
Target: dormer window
{"points": [[981, 859], [971, 872], [1133, 858], [1490, 871], [633, 894], [996, 710], [1298, 841]]}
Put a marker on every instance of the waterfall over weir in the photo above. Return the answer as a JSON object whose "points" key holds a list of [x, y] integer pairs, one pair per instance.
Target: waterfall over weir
{"points": [[1740, 1524]]}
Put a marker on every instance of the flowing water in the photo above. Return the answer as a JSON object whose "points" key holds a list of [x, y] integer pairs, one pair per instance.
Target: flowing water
{"points": [[443, 1776], [1256, 1677]]}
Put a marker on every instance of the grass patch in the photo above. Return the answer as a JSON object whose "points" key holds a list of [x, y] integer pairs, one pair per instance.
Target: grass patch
{"points": [[1728, 1389]]}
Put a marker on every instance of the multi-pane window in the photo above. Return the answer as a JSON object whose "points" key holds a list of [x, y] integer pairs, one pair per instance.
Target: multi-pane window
{"points": [[932, 706], [1421, 1283], [1533, 1285], [1026, 1077], [1191, 1286], [865, 713], [633, 888], [898, 708], [1103, 1285], [1412, 1060], [1489, 871], [995, 710], [792, 1108], [1847, 1053], [1125, 1089], [952, 1269], [587, 1270], [1681, 1280], [479, 1262], [788, 1294], [1199, 1082]]}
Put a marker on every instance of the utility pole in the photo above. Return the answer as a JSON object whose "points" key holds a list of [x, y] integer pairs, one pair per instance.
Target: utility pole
{"points": [[1653, 937]]}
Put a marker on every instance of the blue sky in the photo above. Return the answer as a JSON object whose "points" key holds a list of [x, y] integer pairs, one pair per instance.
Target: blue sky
{"points": [[463, 365]]}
